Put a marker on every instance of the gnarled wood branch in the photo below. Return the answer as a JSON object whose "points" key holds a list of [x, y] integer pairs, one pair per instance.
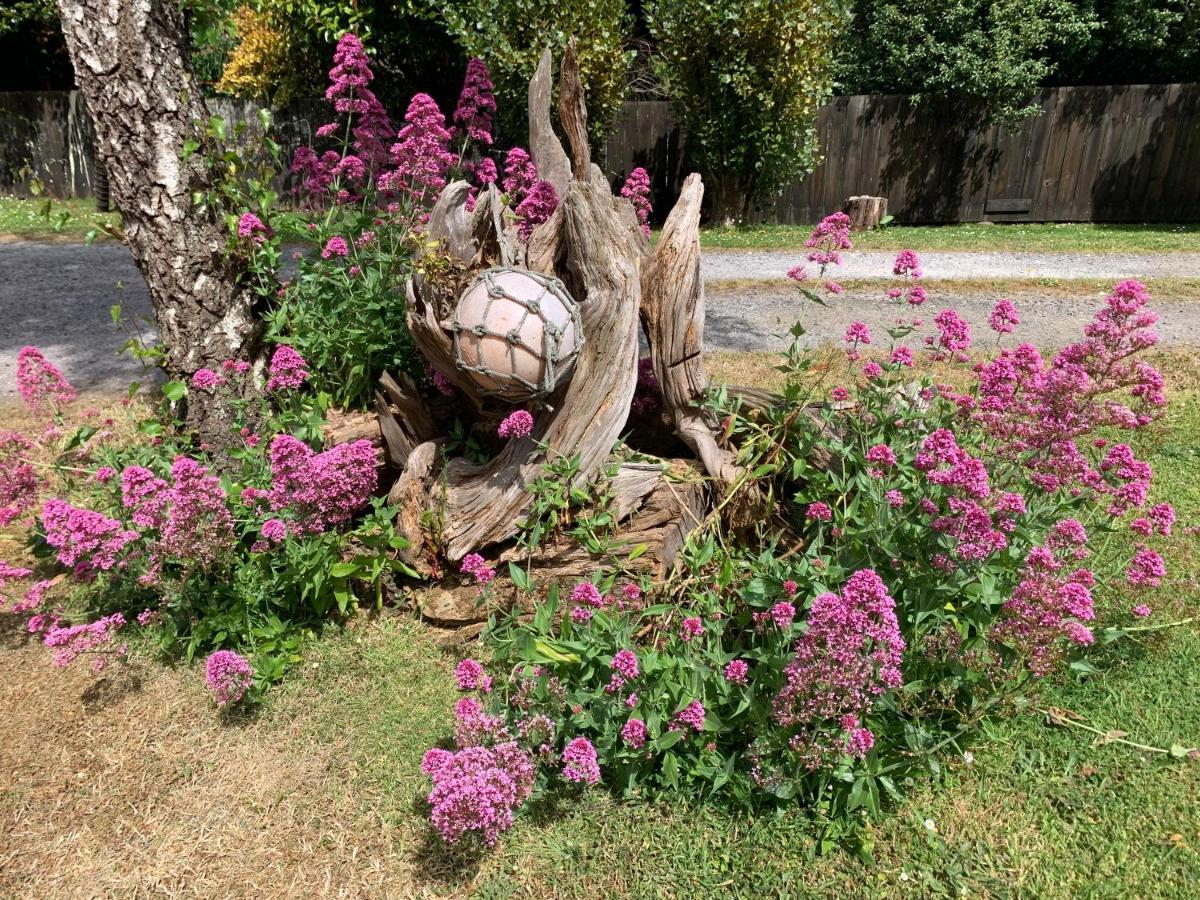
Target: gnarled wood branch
{"points": [[673, 315], [548, 154]]}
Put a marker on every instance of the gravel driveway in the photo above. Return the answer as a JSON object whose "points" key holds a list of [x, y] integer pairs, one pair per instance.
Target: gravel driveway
{"points": [[57, 297]]}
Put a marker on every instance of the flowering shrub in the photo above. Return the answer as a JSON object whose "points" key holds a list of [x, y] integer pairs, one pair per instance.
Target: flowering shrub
{"points": [[244, 559], [949, 547]]}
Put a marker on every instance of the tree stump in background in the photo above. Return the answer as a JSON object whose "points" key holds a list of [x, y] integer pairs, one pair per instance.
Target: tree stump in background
{"points": [[866, 212]]}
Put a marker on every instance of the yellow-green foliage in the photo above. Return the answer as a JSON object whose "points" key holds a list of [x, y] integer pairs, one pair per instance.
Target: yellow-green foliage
{"points": [[260, 66]]}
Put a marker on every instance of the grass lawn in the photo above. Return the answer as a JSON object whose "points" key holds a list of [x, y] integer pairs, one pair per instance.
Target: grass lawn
{"points": [[52, 219], [1034, 238], [132, 785]]}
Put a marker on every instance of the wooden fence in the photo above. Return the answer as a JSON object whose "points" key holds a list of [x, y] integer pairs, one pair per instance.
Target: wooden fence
{"points": [[1121, 153]]}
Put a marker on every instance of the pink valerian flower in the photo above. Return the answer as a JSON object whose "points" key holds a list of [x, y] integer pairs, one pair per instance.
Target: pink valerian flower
{"points": [[19, 480], [894, 498], [782, 614], [87, 542], [287, 369], [1047, 607], [471, 676], [442, 384], [945, 463], [1003, 318], [839, 394], [917, 295], [634, 733], [834, 287], [321, 490], [251, 226], [790, 587], [335, 246], [145, 495], [10, 573], [632, 592], [831, 235], [148, 617], [517, 424], [1141, 611], [537, 207], [691, 716], [736, 671], [587, 594], [33, 596], [647, 396], [637, 191], [198, 525], [882, 454], [907, 263], [40, 382], [315, 172], [473, 726], [819, 512], [274, 531], [476, 103], [690, 629], [477, 789], [420, 157], [797, 273], [857, 333], [625, 664], [581, 615], [105, 474], [580, 763], [849, 656], [71, 642], [1146, 569], [228, 675], [954, 332], [520, 175], [1163, 517], [901, 356], [872, 370], [206, 379], [474, 565], [485, 172]]}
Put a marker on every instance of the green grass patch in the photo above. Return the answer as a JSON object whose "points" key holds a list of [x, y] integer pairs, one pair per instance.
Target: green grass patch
{"points": [[1017, 237], [46, 219]]}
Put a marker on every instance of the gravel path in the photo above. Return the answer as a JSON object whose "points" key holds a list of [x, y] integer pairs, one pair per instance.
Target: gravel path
{"points": [[57, 297], [764, 265]]}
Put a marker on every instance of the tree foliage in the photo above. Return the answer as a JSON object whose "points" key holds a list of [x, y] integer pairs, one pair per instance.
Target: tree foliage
{"points": [[996, 51], [1135, 41], [746, 78], [510, 35]]}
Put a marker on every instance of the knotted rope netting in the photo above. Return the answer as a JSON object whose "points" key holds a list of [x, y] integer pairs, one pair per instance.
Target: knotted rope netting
{"points": [[557, 363]]}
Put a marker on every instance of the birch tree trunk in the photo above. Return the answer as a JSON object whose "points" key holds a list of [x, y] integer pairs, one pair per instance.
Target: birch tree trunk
{"points": [[131, 64]]}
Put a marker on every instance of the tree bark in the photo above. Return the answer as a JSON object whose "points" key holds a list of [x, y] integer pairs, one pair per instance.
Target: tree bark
{"points": [[131, 64]]}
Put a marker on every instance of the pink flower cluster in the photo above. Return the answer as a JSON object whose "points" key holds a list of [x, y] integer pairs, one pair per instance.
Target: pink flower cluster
{"points": [[320, 490], [471, 676], [517, 424], [287, 369], [476, 103], [828, 239], [420, 157], [537, 207], [198, 526], [39, 381], [70, 642], [580, 763], [1051, 601], [520, 175], [87, 542], [477, 789], [19, 481], [636, 190], [228, 675], [848, 657], [474, 565]]}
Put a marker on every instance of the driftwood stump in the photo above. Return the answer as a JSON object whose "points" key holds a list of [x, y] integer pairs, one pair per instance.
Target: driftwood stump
{"points": [[450, 506]]}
